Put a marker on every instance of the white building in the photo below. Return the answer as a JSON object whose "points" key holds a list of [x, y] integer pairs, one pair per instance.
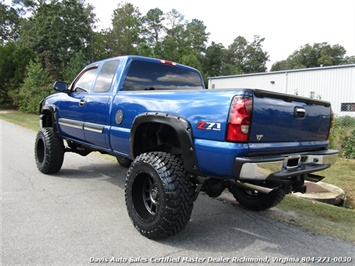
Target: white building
{"points": [[335, 84]]}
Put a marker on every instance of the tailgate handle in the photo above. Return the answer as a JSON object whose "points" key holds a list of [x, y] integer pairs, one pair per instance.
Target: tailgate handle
{"points": [[300, 112]]}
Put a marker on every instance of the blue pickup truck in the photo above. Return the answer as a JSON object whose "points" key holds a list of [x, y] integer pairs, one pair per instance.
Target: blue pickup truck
{"points": [[178, 138]]}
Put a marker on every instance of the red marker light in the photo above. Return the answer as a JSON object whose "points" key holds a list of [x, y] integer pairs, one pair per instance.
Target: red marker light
{"points": [[167, 62]]}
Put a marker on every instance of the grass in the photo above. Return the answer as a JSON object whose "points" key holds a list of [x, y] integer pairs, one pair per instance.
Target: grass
{"points": [[30, 121], [324, 218], [315, 216], [342, 175]]}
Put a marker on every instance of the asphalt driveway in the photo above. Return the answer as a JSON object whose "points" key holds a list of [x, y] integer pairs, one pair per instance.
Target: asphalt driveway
{"points": [[78, 216]]}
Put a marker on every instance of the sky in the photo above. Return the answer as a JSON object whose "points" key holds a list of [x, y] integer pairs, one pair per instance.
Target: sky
{"points": [[286, 25]]}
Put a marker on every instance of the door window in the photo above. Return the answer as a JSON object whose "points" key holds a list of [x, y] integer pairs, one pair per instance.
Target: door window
{"points": [[85, 81]]}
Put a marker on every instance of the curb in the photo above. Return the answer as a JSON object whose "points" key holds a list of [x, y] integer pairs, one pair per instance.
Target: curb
{"points": [[323, 192]]}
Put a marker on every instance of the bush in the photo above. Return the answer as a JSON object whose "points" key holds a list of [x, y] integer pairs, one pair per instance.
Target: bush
{"points": [[37, 85], [348, 146], [343, 136], [13, 62], [76, 64], [344, 121]]}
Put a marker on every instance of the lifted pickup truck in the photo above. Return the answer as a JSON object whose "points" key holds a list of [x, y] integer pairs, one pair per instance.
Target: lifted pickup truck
{"points": [[178, 138]]}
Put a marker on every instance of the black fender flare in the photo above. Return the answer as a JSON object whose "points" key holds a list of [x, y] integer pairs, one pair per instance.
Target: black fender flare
{"points": [[52, 109], [183, 130]]}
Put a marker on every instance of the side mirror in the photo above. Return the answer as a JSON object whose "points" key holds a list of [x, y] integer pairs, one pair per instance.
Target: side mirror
{"points": [[60, 86]]}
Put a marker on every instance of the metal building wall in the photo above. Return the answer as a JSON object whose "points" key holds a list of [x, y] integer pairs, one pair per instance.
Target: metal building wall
{"points": [[335, 84]]}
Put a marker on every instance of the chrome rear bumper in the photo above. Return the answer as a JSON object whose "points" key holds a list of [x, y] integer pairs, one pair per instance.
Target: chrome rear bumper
{"points": [[283, 166]]}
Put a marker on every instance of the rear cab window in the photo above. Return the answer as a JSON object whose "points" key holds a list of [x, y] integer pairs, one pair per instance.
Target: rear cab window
{"points": [[144, 75], [105, 77]]}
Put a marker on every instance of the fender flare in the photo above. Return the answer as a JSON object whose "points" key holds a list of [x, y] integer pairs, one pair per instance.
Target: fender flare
{"points": [[52, 109], [183, 130]]}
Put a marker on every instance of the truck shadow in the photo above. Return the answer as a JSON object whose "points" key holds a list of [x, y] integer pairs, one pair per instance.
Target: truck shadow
{"points": [[101, 169], [216, 227], [221, 228]]}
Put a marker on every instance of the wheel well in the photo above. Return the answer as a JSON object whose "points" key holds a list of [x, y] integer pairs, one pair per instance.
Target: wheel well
{"points": [[47, 120], [156, 137]]}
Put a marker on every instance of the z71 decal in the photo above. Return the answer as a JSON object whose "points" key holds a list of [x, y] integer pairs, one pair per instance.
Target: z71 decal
{"points": [[209, 126]]}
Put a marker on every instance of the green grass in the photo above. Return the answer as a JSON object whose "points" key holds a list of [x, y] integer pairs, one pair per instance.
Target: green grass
{"points": [[312, 215], [317, 217], [324, 218], [342, 175], [30, 121]]}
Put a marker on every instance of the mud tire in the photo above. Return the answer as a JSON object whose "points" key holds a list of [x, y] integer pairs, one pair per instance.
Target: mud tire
{"points": [[159, 195], [49, 151], [257, 201]]}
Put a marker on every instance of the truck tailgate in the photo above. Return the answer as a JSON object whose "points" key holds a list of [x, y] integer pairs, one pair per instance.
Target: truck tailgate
{"points": [[286, 118]]}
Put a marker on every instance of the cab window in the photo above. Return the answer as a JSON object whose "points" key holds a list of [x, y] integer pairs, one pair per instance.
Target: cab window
{"points": [[105, 77], [84, 82], [158, 76]]}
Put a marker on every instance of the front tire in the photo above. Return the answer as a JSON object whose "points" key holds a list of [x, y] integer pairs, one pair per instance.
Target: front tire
{"points": [[49, 151], [255, 200], [159, 195]]}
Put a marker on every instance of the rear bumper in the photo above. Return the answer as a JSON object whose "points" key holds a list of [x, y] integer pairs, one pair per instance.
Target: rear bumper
{"points": [[283, 166]]}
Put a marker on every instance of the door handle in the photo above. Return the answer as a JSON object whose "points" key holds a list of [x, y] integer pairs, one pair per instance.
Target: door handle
{"points": [[82, 102]]}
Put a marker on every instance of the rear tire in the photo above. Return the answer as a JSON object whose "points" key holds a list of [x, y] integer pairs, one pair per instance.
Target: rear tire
{"points": [[159, 195], [255, 200], [49, 151]]}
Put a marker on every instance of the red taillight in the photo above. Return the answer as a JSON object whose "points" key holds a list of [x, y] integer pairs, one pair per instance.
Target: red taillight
{"points": [[239, 119], [331, 124]]}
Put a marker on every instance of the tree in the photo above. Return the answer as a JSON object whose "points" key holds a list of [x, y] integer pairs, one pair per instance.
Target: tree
{"points": [[174, 18], [350, 59], [196, 35], [100, 47], [214, 59], [37, 85], [243, 57], [76, 64], [184, 42], [9, 23], [25, 7], [57, 31], [316, 55], [281, 65], [153, 26], [192, 59], [172, 45], [126, 30], [13, 62]]}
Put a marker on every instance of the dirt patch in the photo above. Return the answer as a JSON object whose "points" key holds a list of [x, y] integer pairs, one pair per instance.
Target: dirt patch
{"points": [[6, 111], [289, 217]]}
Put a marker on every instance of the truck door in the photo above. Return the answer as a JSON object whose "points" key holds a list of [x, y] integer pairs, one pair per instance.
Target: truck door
{"points": [[72, 106], [97, 106]]}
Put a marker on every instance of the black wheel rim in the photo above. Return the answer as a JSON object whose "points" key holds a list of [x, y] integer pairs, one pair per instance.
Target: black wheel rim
{"points": [[145, 196], [40, 151], [150, 196]]}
